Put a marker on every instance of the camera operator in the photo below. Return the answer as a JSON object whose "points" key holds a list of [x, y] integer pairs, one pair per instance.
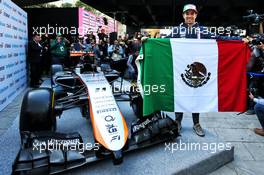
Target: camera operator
{"points": [[255, 69], [115, 51]]}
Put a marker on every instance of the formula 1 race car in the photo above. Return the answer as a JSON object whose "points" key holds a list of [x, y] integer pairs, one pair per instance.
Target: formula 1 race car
{"points": [[90, 90]]}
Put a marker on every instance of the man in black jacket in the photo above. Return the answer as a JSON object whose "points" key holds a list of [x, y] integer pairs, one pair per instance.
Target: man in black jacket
{"points": [[35, 59]]}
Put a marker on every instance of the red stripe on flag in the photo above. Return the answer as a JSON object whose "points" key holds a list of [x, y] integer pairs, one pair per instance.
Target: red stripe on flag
{"points": [[232, 78]]}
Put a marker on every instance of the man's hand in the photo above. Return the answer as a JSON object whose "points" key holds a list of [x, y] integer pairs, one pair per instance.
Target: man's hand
{"points": [[144, 38], [261, 46], [247, 40], [251, 96]]}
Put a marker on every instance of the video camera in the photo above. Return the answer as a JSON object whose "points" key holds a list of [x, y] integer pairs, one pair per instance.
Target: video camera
{"points": [[254, 18], [116, 49], [257, 39]]}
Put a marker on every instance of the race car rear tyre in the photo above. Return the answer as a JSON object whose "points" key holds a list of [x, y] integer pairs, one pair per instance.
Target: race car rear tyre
{"points": [[37, 111]]}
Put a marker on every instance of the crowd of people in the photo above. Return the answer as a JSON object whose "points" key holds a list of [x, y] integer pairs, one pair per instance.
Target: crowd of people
{"points": [[46, 50]]}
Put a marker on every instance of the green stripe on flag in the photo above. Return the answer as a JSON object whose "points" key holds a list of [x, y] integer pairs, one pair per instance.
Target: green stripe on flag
{"points": [[158, 76]]}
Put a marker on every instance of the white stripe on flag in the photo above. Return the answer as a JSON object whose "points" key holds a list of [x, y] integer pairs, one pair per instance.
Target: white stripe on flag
{"points": [[185, 52]]}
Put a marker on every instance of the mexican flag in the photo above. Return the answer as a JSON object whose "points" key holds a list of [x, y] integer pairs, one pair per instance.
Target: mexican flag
{"points": [[193, 75]]}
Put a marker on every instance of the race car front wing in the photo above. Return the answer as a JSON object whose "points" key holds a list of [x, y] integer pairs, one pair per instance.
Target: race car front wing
{"points": [[34, 156]]}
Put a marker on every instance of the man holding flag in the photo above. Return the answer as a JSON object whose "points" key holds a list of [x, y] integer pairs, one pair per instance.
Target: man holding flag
{"points": [[192, 70], [188, 29]]}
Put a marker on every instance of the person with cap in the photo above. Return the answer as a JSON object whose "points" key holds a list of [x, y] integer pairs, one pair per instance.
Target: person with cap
{"points": [[115, 51], [191, 29], [58, 49], [188, 29]]}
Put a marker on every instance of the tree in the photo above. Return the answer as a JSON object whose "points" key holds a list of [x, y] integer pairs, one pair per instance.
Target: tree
{"points": [[66, 5], [86, 7], [45, 5]]}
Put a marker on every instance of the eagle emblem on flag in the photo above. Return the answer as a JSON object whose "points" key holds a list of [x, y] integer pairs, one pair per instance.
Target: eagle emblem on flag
{"points": [[195, 75]]}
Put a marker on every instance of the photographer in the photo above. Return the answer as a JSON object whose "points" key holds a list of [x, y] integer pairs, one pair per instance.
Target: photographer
{"points": [[255, 69], [90, 36], [77, 45], [259, 109], [101, 35], [92, 47], [115, 51], [58, 49]]}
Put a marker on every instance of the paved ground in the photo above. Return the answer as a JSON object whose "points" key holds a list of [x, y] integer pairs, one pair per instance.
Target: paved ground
{"points": [[249, 154], [237, 129], [9, 114]]}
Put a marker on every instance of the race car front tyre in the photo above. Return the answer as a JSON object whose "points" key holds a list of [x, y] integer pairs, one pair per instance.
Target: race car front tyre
{"points": [[117, 157], [37, 111]]}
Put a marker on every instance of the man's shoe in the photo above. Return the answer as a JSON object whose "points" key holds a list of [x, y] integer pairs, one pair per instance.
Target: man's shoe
{"points": [[198, 130], [259, 131], [250, 112], [179, 126]]}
